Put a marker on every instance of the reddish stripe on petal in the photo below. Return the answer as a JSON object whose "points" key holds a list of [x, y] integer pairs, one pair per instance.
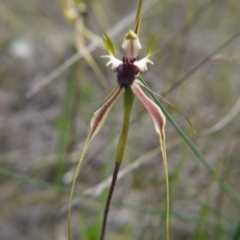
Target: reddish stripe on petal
{"points": [[98, 116], [159, 121], [153, 109]]}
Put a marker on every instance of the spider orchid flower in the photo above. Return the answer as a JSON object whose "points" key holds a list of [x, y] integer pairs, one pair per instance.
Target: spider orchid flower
{"points": [[127, 71]]}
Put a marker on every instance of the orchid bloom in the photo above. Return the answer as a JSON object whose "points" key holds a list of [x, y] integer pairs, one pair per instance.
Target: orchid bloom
{"points": [[127, 71]]}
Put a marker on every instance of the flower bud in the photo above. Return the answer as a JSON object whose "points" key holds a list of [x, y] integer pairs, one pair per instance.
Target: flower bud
{"points": [[131, 44], [72, 11]]}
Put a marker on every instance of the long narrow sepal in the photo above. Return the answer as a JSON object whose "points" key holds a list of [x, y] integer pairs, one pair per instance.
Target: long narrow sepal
{"points": [[108, 44], [159, 122], [100, 115], [169, 103], [138, 17], [156, 113], [150, 46], [97, 122]]}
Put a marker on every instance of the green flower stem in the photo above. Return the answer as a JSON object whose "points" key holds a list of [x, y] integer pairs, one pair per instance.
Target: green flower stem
{"points": [[128, 103], [225, 186]]}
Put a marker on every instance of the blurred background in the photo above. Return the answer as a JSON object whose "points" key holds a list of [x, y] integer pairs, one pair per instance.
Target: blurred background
{"points": [[44, 120]]}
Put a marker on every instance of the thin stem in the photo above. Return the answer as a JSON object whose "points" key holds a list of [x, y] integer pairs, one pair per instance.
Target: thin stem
{"points": [[128, 103], [165, 165], [109, 198]]}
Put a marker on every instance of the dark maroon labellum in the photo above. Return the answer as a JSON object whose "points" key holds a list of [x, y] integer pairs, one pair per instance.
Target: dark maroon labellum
{"points": [[126, 73]]}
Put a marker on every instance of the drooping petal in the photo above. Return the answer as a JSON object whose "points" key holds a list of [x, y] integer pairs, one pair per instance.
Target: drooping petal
{"points": [[100, 115], [96, 123], [159, 122], [156, 113], [167, 102]]}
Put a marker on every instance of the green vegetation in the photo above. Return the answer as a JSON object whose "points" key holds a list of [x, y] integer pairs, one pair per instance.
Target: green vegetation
{"points": [[50, 86]]}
